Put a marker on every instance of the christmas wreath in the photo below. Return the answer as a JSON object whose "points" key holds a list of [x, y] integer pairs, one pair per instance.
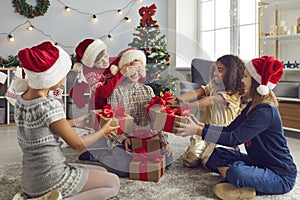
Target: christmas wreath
{"points": [[28, 10]]}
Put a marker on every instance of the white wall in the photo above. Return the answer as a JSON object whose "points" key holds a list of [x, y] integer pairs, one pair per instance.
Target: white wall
{"points": [[68, 29], [183, 28]]}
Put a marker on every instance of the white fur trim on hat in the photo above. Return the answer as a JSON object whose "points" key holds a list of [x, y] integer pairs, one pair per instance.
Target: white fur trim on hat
{"points": [[53, 75], [253, 72], [132, 55], [92, 51]]}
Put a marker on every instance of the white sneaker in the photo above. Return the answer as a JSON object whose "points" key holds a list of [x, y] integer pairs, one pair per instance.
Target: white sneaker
{"points": [[52, 195]]}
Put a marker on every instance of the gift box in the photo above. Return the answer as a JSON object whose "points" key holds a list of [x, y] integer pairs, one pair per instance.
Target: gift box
{"points": [[165, 120], [118, 115], [147, 168], [147, 141], [158, 103]]}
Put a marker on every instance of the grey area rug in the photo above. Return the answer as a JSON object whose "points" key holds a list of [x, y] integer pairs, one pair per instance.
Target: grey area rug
{"points": [[178, 182]]}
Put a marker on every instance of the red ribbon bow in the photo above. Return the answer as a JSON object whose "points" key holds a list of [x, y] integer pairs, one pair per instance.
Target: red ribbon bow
{"points": [[109, 112], [147, 13], [162, 101], [118, 111]]}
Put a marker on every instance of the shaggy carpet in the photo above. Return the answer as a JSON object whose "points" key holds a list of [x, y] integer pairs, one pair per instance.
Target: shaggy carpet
{"points": [[178, 182]]}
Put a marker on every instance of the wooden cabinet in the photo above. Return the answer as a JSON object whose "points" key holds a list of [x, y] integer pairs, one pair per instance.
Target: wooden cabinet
{"points": [[277, 27], [290, 113]]}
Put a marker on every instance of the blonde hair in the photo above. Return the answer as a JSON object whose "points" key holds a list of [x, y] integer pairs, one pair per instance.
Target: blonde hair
{"points": [[257, 98]]}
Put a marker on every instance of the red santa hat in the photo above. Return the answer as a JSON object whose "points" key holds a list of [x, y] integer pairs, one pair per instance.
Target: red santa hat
{"points": [[44, 65], [267, 71], [87, 52], [130, 56]]}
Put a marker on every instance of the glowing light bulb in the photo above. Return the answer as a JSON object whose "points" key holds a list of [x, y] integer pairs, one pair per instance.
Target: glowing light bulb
{"points": [[67, 9], [30, 28], [120, 12], [127, 19], [11, 38], [95, 19]]}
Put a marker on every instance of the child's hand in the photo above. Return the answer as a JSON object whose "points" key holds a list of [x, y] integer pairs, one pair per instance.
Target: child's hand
{"points": [[186, 129], [142, 71], [195, 120], [108, 129], [124, 69], [82, 121], [166, 149], [182, 103], [127, 143]]}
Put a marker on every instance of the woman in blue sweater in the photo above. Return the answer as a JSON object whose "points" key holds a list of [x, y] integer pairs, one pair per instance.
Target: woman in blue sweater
{"points": [[267, 167]]}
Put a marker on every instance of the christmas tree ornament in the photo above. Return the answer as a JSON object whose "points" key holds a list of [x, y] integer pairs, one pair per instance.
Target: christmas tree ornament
{"points": [[22, 7], [147, 13], [149, 49]]}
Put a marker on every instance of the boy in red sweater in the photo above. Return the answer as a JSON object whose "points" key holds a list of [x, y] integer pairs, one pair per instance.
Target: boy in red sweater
{"points": [[96, 72]]}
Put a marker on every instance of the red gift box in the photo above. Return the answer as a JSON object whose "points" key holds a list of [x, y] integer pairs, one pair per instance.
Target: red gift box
{"points": [[147, 168], [147, 140], [165, 119], [119, 116], [159, 103]]}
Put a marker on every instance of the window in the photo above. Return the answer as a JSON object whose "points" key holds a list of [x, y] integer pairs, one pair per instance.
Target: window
{"points": [[228, 26]]}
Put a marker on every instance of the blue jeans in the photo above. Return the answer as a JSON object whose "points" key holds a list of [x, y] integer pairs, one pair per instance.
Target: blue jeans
{"points": [[263, 180]]}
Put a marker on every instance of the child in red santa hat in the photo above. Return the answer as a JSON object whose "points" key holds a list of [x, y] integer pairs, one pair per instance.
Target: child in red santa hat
{"points": [[96, 72], [267, 167], [41, 122]]}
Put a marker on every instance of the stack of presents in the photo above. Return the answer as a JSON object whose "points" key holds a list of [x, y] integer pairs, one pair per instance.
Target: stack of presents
{"points": [[148, 163]]}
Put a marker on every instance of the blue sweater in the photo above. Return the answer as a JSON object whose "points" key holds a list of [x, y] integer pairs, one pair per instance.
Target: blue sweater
{"points": [[262, 134]]}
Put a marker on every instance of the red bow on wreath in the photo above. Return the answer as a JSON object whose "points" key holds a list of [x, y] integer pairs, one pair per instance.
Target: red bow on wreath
{"points": [[146, 13]]}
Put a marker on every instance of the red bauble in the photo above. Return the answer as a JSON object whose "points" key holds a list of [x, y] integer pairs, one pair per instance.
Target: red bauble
{"points": [[167, 59], [157, 26], [1, 60], [32, 14], [18, 10], [148, 49], [140, 33]]}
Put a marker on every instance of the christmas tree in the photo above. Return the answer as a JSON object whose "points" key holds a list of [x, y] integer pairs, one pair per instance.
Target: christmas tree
{"points": [[149, 40]]}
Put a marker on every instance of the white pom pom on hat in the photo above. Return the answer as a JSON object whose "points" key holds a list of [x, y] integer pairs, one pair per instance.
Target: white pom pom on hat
{"points": [[267, 71]]}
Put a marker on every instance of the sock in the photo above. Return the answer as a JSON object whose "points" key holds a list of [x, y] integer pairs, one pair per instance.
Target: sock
{"points": [[77, 93], [3, 78]]}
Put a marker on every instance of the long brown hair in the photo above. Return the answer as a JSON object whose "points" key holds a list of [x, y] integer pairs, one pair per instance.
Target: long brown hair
{"points": [[235, 72], [256, 98]]}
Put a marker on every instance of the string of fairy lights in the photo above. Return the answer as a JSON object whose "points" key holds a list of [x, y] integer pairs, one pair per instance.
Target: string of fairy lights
{"points": [[94, 18]]}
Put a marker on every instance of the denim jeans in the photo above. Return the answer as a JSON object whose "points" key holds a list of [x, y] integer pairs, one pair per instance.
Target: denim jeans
{"points": [[263, 180]]}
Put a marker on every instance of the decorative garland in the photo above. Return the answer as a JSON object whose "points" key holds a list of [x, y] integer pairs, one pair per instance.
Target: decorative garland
{"points": [[11, 61], [28, 10]]}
